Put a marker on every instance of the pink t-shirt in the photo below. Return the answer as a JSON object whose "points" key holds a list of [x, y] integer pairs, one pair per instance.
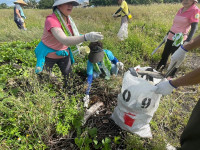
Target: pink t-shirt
{"points": [[49, 40], [182, 21]]}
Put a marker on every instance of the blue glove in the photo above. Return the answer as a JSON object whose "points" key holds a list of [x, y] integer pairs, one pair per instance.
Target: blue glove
{"points": [[62, 53]]}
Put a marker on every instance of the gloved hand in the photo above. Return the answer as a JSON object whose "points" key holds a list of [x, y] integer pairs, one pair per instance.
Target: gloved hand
{"points": [[164, 88], [62, 53], [22, 20], [86, 100], [177, 57], [114, 15], [93, 36], [120, 65]]}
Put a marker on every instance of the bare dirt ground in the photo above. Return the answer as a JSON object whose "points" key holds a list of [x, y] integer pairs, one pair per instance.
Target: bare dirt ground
{"points": [[193, 60]]}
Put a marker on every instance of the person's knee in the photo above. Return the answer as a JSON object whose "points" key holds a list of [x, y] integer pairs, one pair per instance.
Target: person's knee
{"points": [[95, 75], [114, 69]]}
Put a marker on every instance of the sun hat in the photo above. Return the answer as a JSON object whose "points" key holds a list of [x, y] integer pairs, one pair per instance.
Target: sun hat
{"points": [[196, 1], [59, 2], [20, 2], [96, 52]]}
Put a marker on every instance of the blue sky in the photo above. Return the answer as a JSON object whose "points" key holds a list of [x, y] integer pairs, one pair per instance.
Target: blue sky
{"points": [[10, 2]]}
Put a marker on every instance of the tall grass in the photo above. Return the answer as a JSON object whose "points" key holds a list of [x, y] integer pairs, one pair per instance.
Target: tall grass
{"points": [[159, 16]]}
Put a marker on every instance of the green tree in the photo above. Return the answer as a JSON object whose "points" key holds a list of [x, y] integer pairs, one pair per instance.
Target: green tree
{"points": [[3, 6], [45, 4], [32, 3]]}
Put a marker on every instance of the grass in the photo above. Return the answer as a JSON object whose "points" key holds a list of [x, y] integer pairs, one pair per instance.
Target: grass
{"points": [[31, 111]]}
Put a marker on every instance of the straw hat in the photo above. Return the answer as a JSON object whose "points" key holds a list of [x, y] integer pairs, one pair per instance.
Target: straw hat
{"points": [[20, 2], [96, 52], [60, 2]]}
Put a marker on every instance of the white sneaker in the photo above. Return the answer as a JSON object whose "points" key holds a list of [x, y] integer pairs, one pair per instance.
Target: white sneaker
{"points": [[170, 147]]}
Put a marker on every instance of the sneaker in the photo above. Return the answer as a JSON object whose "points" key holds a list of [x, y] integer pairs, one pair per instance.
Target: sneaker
{"points": [[170, 147]]}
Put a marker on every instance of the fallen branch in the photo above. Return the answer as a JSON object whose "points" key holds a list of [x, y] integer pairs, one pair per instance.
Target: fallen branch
{"points": [[89, 112]]}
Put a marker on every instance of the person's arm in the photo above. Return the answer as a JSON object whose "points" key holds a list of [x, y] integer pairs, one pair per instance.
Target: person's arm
{"points": [[115, 61], [111, 57], [120, 9], [115, 14], [89, 76], [194, 27], [193, 44], [17, 12], [166, 87], [191, 78], [66, 40], [86, 98], [59, 34]]}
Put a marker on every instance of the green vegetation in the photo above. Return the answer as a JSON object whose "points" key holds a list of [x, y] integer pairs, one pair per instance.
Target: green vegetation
{"points": [[35, 109]]}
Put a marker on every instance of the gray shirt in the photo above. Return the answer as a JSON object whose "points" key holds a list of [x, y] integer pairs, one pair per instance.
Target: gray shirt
{"points": [[17, 6]]}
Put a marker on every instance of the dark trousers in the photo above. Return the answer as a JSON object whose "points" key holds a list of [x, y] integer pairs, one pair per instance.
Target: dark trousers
{"points": [[190, 138], [64, 64], [19, 24], [168, 50]]}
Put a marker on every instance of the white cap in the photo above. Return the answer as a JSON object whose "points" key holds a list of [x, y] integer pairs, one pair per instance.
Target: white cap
{"points": [[60, 2]]}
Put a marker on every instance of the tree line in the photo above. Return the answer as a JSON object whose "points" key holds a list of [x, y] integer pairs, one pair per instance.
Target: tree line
{"points": [[135, 2], [46, 4]]}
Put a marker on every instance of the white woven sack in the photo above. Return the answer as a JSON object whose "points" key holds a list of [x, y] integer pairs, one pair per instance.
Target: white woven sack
{"points": [[136, 105], [123, 32]]}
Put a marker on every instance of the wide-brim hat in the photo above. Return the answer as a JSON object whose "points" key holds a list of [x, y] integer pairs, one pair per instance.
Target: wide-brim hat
{"points": [[96, 55], [196, 1], [20, 2], [60, 2]]}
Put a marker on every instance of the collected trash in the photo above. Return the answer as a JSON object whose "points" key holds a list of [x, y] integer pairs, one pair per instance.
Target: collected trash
{"points": [[137, 103]]}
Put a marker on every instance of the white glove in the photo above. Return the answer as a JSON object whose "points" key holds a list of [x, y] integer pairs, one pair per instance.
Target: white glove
{"points": [[93, 36], [177, 57], [22, 20], [114, 15], [86, 100], [164, 88], [120, 65]]}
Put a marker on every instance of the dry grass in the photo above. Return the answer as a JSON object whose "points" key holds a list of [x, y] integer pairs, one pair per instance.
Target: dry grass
{"points": [[87, 20]]}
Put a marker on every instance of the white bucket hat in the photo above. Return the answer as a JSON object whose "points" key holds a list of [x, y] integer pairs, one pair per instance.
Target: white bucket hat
{"points": [[59, 2], [196, 1]]}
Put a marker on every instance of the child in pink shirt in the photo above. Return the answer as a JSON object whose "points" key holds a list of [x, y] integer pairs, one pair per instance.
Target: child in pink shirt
{"points": [[186, 20], [60, 33]]}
